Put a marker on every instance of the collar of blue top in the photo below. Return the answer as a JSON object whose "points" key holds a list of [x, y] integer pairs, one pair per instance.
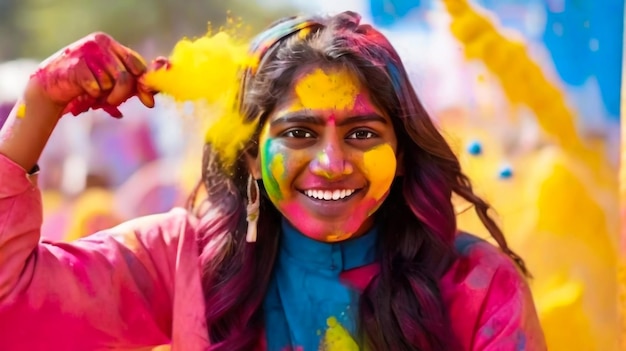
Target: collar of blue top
{"points": [[337, 257]]}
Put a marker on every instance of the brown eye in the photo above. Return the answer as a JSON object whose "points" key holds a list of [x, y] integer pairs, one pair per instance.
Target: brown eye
{"points": [[298, 134], [362, 134]]}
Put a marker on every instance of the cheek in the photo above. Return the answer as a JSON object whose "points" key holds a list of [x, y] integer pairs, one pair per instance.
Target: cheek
{"points": [[279, 168], [272, 168], [379, 166]]}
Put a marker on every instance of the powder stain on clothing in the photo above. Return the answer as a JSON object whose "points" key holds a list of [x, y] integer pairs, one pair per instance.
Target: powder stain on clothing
{"points": [[337, 338]]}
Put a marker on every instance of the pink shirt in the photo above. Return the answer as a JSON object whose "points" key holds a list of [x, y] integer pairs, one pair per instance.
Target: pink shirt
{"points": [[138, 285]]}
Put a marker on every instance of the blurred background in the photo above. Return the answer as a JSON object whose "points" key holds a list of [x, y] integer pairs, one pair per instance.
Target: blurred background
{"points": [[526, 91]]}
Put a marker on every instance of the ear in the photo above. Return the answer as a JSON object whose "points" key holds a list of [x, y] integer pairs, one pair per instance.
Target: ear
{"points": [[399, 163], [254, 165]]}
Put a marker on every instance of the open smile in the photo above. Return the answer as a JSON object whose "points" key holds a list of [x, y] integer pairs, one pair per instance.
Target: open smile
{"points": [[330, 195]]}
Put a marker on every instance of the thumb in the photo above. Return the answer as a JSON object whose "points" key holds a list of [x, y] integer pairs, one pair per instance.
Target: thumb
{"points": [[145, 92], [158, 63]]}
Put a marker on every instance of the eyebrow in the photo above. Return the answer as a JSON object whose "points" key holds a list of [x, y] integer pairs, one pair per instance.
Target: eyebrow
{"points": [[303, 117]]}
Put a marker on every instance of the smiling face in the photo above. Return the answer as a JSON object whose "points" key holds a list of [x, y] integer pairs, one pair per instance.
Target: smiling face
{"points": [[327, 155]]}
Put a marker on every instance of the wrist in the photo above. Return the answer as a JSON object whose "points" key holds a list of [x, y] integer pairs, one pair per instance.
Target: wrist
{"points": [[28, 127], [36, 98], [34, 170]]}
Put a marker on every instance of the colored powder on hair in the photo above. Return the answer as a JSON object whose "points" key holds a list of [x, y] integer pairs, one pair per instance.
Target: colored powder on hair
{"points": [[320, 90], [380, 166], [208, 71]]}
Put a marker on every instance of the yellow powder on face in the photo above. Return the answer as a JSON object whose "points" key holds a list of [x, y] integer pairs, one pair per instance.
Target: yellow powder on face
{"points": [[277, 170], [380, 167], [277, 166], [337, 338], [321, 90], [207, 71]]}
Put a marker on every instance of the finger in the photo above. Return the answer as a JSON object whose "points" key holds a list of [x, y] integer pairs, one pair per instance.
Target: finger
{"points": [[146, 97], [85, 78], [158, 63], [103, 77], [122, 90], [123, 81], [110, 65], [141, 84], [79, 105], [133, 62], [113, 111]]}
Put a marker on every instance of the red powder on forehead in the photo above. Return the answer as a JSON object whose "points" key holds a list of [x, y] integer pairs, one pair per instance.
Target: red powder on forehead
{"points": [[331, 118]]}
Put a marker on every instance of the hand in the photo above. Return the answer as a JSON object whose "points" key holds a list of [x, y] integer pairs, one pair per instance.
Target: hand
{"points": [[95, 72]]}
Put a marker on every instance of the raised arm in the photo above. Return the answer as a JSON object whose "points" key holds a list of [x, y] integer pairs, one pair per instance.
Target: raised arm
{"points": [[113, 290]]}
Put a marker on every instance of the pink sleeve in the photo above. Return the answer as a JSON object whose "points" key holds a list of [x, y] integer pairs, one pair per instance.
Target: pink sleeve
{"points": [[111, 290], [508, 320], [489, 302]]}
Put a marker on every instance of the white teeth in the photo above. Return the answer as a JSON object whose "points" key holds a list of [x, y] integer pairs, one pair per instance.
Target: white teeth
{"points": [[328, 194]]}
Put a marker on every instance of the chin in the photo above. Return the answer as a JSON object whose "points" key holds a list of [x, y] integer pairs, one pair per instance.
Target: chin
{"points": [[327, 231]]}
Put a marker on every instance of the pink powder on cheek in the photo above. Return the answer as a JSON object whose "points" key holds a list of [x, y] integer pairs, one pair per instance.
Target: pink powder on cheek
{"points": [[297, 215], [360, 214]]}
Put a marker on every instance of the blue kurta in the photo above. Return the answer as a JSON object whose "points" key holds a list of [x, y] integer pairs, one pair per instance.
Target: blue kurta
{"points": [[306, 280]]}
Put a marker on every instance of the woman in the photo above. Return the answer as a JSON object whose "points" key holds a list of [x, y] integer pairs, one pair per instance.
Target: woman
{"points": [[334, 230]]}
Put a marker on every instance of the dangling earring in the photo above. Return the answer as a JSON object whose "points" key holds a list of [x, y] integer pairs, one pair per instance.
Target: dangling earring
{"points": [[252, 209]]}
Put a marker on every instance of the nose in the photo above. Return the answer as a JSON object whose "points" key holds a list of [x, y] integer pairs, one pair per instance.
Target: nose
{"points": [[330, 161]]}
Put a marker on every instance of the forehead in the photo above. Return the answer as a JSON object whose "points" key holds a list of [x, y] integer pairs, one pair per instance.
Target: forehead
{"points": [[325, 89], [334, 90]]}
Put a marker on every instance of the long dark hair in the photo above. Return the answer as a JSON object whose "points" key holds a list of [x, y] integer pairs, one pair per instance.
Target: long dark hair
{"points": [[401, 308]]}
